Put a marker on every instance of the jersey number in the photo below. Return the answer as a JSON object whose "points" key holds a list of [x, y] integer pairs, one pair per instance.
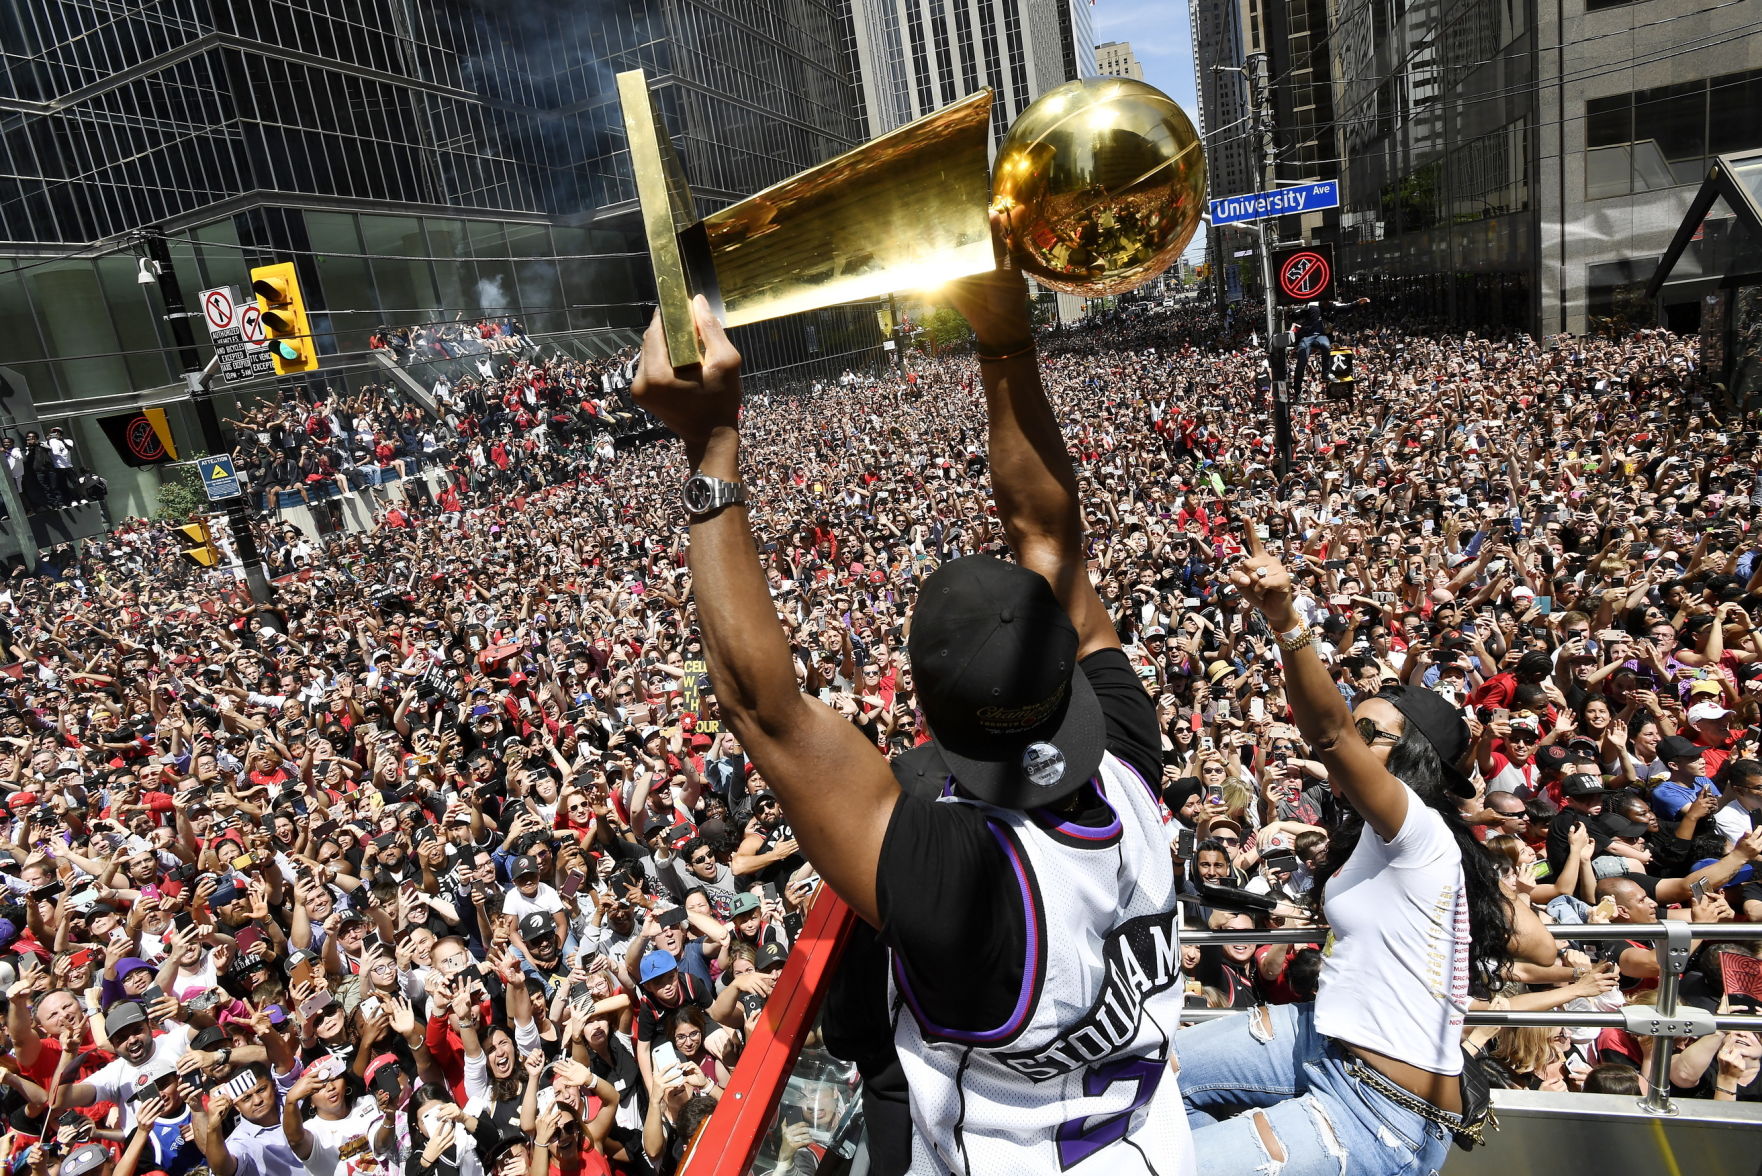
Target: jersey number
{"points": [[1078, 1139]]}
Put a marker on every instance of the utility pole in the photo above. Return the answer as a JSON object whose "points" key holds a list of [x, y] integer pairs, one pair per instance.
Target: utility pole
{"points": [[1261, 112], [197, 377]]}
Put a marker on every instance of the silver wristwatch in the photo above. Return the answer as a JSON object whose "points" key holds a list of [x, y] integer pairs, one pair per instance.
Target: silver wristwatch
{"points": [[704, 495]]}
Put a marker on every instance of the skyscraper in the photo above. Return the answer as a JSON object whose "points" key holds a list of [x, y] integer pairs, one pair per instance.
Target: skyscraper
{"points": [[417, 159], [1224, 125], [1492, 182], [915, 56], [1115, 59]]}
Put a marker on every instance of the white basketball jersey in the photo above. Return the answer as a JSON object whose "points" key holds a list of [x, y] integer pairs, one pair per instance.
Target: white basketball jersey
{"points": [[1081, 1078]]}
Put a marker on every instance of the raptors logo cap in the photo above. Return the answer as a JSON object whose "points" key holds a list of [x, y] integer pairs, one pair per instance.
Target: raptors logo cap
{"points": [[994, 656]]}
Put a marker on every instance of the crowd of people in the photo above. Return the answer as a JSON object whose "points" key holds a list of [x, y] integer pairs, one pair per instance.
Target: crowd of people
{"points": [[494, 429], [47, 473], [452, 340], [443, 863]]}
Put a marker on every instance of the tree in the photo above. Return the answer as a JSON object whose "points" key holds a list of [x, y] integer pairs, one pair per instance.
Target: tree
{"points": [[946, 327], [180, 494]]}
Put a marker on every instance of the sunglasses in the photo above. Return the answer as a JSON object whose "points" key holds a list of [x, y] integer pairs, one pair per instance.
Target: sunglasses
{"points": [[1370, 732]]}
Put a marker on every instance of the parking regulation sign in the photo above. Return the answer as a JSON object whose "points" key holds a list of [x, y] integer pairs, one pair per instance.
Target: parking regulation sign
{"points": [[1304, 274]]}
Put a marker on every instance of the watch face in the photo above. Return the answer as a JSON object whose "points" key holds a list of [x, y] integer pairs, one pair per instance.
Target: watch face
{"points": [[698, 494]]}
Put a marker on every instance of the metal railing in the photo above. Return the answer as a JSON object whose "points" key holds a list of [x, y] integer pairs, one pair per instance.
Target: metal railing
{"points": [[1664, 1021]]}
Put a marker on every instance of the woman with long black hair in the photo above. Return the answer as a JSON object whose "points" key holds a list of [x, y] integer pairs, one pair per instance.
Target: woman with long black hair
{"points": [[1371, 1069]]}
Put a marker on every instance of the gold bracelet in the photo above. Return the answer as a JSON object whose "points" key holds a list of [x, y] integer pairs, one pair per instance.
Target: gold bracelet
{"points": [[1297, 638], [1020, 351]]}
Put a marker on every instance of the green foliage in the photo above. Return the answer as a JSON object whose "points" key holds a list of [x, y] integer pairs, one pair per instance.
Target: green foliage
{"points": [[180, 494], [945, 327]]}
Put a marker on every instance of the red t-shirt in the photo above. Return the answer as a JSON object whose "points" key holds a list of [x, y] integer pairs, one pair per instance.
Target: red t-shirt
{"points": [[1278, 990], [49, 1057]]}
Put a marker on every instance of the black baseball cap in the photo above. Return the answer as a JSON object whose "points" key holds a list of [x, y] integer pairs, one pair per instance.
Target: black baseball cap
{"points": [[1617, 825], [1553, 758], [994, 657], [1676, 747], [1437, 719], [920, 771], [1583, 784]]}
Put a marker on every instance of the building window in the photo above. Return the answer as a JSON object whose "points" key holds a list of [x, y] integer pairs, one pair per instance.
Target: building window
{"points": [[914, 20], [1664, 137], [944, 51]]}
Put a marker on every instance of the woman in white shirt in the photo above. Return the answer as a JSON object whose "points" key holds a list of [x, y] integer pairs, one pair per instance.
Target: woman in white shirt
{"points": [[1371, 1070]]}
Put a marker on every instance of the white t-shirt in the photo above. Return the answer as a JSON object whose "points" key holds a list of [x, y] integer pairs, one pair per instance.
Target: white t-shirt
{"points": [[546, 901], [329, 1136], [117, 1081], [1395, 976], [1733, 822]]}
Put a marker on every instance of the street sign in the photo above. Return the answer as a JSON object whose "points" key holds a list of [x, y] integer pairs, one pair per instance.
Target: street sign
{"points": [[1282, 202], [1304, 274], [251, 328], [219, 479], [237, 333], [218, 309]]}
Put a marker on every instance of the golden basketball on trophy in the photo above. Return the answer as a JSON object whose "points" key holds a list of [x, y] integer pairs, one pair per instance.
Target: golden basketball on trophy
{"points": [[1097, 189]]}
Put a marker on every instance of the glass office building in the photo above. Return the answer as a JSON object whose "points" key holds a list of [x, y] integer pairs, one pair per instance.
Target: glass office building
{"points": [[1435, 115], [418, 159]]}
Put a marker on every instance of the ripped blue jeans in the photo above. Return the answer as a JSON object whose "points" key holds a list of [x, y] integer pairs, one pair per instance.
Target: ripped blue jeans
{"points": [[1270, 1064]]}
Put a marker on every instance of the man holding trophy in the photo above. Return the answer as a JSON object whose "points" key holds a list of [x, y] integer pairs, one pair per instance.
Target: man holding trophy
{"points": [[1029, 908]]}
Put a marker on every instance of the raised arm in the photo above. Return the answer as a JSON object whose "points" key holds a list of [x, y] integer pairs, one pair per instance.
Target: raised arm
{"points": [[1316, 704], [798, 742], [1031, 470]]}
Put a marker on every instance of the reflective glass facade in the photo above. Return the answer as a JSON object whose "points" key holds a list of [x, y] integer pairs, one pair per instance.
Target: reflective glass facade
{"points": [[1434, 116], [916, 56], [416, 158]]}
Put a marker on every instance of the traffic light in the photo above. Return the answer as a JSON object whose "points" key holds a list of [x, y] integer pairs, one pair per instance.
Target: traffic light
{"points": [[203, 554], [284, 317]]}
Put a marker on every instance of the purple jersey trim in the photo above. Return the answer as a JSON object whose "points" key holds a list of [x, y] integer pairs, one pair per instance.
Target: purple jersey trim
{"points": [[1030, 966], [1072, 829], [1127, 765]]}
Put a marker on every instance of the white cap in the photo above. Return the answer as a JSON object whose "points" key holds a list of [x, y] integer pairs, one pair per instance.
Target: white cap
{"points": [[1702, 712]]}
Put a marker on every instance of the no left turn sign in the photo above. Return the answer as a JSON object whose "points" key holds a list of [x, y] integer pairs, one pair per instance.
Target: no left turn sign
{"points": [[251, 327]]}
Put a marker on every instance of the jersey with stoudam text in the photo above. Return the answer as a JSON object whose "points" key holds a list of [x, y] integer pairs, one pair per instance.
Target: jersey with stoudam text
{"points": [[1081, 1078]]}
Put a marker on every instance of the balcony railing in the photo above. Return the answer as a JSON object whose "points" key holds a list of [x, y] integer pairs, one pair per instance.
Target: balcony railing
{"points": [[747, 1124]]}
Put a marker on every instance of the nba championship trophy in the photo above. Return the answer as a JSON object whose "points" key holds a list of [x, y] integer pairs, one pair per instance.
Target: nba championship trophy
{"points": [[1097, 189]]}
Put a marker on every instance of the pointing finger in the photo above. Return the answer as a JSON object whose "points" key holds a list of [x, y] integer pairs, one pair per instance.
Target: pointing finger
{"points": [[1251, 538]]}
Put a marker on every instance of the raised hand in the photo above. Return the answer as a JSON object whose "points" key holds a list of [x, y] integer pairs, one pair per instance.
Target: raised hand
{"points": [[697, 399]]}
